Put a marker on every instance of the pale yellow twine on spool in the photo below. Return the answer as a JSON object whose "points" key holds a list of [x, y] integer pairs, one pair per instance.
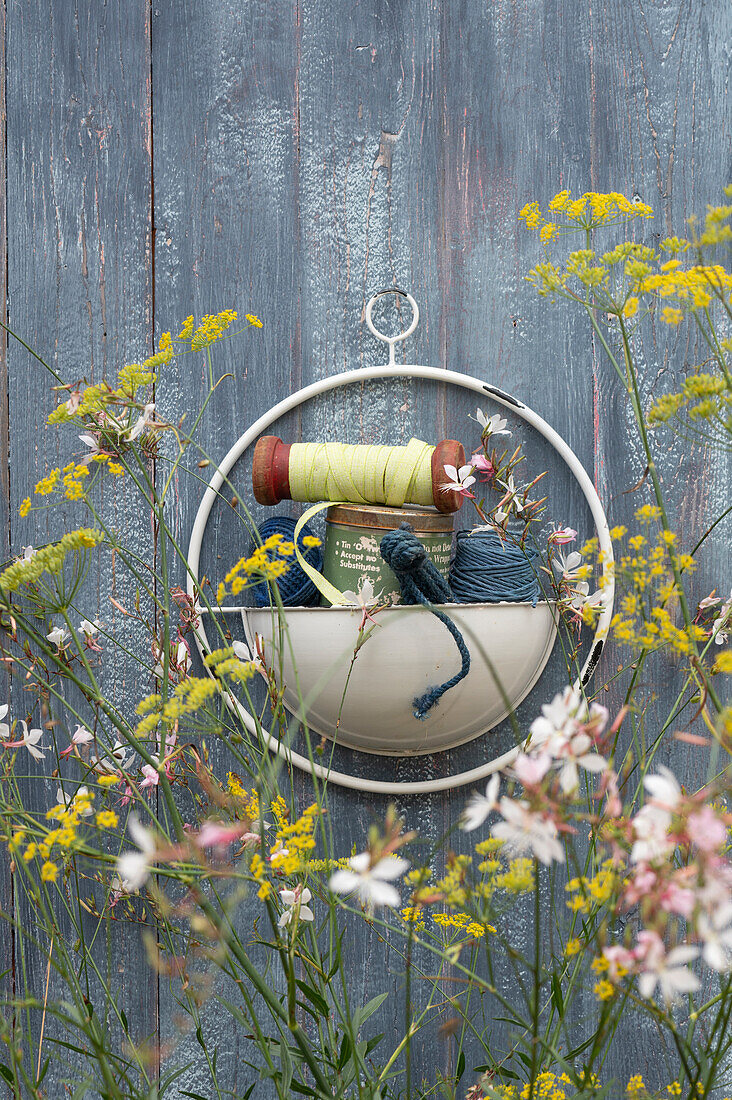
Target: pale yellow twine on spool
{"points": [[361, 474]]}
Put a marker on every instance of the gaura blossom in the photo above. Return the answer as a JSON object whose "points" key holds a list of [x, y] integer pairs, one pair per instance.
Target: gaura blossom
{"points": [[133, 868], [566, 567], [4, 727], [59, 637], [491, 425], [81, 736], [92, 443], [114, 760], [480, 805], [715, 932], [652, 823], [29, 741], [63, 799], [143, 421], [88, 628], [722, 620], [530, 770], [663, 788], [297, 908], [511, 498], [151, 773], [706, 830], [216, 834], [526, 831], [669, 972], [566, 732], [461, 480], [562, 535], [480, 462], [370, 881]]}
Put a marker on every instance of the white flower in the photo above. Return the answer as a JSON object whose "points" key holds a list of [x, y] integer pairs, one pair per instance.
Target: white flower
{"points": [[296, 901], [669, 971], [30, 741], [720, 637], [142, 422], [523, 831], [561, 731], [133, 868], [363, 598], [715, 931], [241, 650], [480, 805], [4, 727], [567, 566], [64, 799], [461, 479], [59, 636], [113, 761], [491, 425], [650, 828], [663, 788], [88, 628], [371, 883], [92, 443], [511, 491], [82, 736]]}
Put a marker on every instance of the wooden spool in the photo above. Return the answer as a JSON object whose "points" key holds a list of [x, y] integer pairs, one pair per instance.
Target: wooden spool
{"points": [[271, 478]]}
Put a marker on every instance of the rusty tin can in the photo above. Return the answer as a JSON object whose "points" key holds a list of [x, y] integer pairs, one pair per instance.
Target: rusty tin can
{"points": [[352, 536]]}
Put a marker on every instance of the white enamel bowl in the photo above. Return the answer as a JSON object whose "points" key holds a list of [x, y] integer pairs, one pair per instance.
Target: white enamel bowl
{"points": [[409, 651]]}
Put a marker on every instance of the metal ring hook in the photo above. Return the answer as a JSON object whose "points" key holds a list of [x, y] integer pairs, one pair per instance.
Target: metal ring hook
{"points": [[392, 341]]}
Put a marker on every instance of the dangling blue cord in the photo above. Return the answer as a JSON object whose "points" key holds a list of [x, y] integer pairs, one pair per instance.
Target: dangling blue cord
{"points": [[421, 582]]}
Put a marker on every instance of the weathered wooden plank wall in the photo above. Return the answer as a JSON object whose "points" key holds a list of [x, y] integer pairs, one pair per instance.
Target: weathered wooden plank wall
{"points": [[290, 158]]}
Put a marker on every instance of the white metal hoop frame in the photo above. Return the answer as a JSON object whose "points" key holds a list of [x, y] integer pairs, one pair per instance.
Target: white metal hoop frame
{"points": [[432, 374]]}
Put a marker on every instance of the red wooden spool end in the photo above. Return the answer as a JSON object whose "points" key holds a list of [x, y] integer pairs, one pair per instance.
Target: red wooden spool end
{"points": [[447, 452], [270, 470], [271, 479]]}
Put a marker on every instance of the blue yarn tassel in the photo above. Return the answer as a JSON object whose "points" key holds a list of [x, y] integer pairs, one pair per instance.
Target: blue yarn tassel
{"points": [[296, 588], [421, 582], [487, 570]]}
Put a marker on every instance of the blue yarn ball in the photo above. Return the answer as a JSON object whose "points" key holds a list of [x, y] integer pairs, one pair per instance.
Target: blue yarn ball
{"points": [[296, 588], [487, 569]]}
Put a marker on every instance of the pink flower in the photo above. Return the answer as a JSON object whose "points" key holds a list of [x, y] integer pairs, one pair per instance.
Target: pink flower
{"points": [[562, 536], [706, 830], [461, 481], [484, 464], [678, 899], [82, 736], [216, 834], [152, 775], [619, 960], [530, 770]]}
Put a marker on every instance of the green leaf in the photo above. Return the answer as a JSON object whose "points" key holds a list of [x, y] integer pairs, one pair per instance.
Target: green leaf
{"points": [[297, 1086], [460, 1066], [7, 1074], [361, 1015], [346, 1050], [557, 997], [312, 995]]}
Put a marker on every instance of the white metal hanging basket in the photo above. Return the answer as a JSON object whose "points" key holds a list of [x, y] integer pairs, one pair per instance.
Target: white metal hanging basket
{"points": [[368, 704]]}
